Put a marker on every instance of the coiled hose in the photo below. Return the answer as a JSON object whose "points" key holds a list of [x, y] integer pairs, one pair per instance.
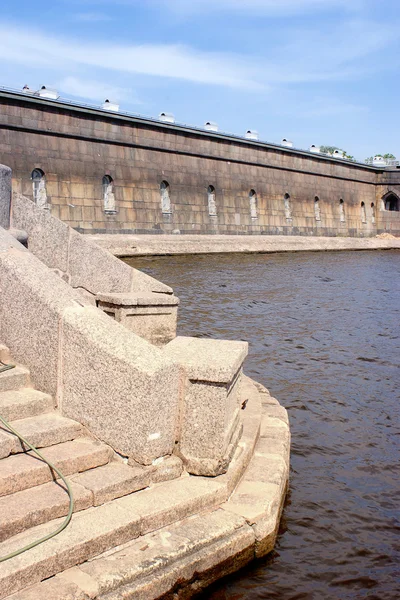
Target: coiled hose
{"points": [[4, 367]]}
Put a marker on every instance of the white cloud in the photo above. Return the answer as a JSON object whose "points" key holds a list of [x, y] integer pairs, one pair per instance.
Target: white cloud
{"points": [[335, 54], [176, 61], [94, 90], [258, 7]]}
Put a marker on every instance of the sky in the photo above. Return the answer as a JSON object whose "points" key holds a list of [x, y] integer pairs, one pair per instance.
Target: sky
{"points": [[313, 71]]}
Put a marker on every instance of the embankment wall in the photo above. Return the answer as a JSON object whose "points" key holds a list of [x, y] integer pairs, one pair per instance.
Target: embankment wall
{"points": [[216, 183]]}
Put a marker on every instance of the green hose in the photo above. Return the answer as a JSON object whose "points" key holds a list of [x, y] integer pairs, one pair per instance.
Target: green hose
{"points": [[69, 491]]}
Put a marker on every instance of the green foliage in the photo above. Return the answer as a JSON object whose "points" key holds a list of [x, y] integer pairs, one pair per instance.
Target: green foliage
{"points": [[331, 149], [387, 156]]}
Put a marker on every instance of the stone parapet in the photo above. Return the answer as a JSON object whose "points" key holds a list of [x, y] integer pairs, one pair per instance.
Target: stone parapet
{"points": [[152, 316], [125, 390], [210, 423]]}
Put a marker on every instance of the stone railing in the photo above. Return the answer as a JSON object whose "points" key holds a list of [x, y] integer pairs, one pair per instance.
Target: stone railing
{"points": [[56, 298]]}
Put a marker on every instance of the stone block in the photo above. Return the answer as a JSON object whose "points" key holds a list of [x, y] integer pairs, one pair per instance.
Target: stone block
{"points": [[166, 468], [122, 388], [47, 236], [23, 471], [31, 300], [149, 315], [113, 481], [210, 425]]}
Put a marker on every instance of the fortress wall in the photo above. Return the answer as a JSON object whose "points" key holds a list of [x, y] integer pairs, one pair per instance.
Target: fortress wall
{"points": [[75, 149]]}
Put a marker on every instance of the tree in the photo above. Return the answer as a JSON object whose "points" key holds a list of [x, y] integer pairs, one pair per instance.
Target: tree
{"points": [[386, 156], [331, 150]]}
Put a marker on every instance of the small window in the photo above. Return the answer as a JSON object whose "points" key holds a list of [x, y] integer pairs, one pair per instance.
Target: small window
{"points": [[317, 209], [108, 195], [363, 213], [391, 202], [341, 211], [253, 204], [165, 198], [288, 207], [372, 212], [39, 188], [212, 207]]}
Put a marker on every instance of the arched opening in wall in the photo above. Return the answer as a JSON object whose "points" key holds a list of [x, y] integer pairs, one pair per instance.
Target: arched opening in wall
{"points": [[39, 188], [288, 207], [165, 198], [372, 212], [212, 207], [391, 202], [108, 195], [253, 204], [363, 213], [317, 209], [341, 211]]}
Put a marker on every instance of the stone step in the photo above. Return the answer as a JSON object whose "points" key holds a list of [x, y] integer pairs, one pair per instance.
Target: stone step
{"points": [[22, 510], [113, 481], [37, 505], [14, 379], [26, 470], [185, 557], [23, 403], [40, 431], [96, 530]]}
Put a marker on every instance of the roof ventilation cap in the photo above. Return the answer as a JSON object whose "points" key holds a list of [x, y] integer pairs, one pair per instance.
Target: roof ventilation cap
{"points": [[210, 126], [315, 149], [287, 143], [109, 105], [251, 134], [49, 93], [166, 117]]}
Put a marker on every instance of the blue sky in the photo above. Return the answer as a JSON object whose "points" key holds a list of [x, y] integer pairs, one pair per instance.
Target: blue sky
{"points": [[314, 71]]}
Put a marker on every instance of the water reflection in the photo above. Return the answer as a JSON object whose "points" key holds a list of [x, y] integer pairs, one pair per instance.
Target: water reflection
{"points": [[324, 338]]}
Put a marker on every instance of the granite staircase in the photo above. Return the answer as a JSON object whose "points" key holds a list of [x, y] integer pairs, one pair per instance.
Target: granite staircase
{"points": [[136, 532]]}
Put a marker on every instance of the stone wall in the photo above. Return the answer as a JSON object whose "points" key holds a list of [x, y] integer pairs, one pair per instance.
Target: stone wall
{"points": [[76, 148]]}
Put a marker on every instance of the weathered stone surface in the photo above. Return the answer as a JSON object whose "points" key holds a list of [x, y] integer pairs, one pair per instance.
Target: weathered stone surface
{"points": [[113, 481], [150, 245], [22, 471], [90, 533], [149, 315], [31, 301], [4, 353], [153, 564], [20, 404], [44, 430], [210, 427], [216, 361], [166, 468], [136, 411], [48, 238], [14, 379], [172, 501], [53, 589], [37, 505]]}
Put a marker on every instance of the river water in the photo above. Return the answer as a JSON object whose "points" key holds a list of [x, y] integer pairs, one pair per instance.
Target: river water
{"points": [[324, 338]]}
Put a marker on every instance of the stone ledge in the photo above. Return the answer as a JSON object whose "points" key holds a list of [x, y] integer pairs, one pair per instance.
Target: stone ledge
{"points": [[139, 299], [206, 359]]}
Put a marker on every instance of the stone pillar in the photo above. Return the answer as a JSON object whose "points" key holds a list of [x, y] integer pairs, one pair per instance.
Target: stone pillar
{"points": [[210, 421], [152, 316], [5, 196]]}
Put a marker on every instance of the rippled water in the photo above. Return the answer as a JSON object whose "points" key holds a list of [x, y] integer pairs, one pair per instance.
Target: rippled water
{"points": [[324, 338]]}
